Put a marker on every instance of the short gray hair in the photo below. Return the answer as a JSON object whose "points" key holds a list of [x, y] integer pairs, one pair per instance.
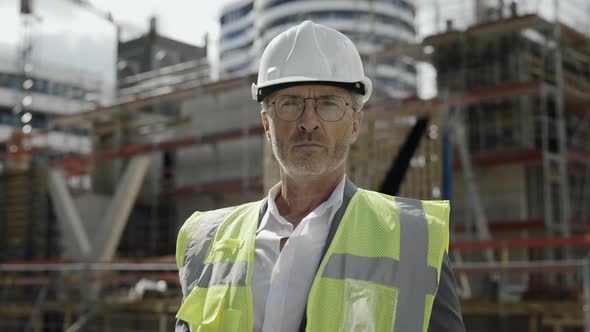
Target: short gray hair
{"points": [[264, 105], [357, 103]]}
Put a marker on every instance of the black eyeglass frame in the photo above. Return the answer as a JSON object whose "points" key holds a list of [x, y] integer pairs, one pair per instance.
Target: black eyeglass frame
{"points": [[346, 104]]}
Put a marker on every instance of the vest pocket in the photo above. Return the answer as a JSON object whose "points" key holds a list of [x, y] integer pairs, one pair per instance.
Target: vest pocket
{"points": [[204, 308], [230, 322], [351, 306]]}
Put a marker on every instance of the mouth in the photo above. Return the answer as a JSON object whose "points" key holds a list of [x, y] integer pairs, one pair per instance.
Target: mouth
{"points": [[308, 145]]}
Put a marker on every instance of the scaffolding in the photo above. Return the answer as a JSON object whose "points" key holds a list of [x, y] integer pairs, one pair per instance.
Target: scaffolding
{"points": [[524, 138], [520, 82], [515, 84], [185, 127], [128, 296]]}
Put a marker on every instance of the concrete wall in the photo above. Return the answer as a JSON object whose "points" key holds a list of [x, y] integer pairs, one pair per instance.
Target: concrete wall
{"points": [[502, 189], [228, 160], [231, 108]]}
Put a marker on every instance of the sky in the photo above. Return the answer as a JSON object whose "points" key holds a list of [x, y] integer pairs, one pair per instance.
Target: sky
{"points": [[62, 36], [66, 35], [184, 20], [189, 21]]}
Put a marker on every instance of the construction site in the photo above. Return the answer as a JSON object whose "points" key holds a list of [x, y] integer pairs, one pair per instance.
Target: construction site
{"points": [[88, 235]]}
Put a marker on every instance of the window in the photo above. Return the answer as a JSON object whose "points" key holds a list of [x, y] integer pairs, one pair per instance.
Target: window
{"points": [[234, 51], [15, 81], [237, 13], [235, 34], [360, 16], [405, 5], [238, 68], [4, 80]]}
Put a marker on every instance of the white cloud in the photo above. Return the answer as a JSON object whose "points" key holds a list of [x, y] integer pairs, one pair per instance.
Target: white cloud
{"points": [[9, 21], [184, 20], [65, 35], [71, 36]]}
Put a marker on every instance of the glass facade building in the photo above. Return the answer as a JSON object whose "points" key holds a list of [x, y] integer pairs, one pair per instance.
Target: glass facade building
{"points": [[247, 26]]}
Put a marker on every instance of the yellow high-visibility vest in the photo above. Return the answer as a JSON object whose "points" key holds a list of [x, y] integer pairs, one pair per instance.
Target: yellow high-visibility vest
{"points": [[380, 270]]}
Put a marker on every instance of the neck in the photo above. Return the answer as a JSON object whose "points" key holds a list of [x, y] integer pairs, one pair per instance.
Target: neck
{"points": [[301, 195]]}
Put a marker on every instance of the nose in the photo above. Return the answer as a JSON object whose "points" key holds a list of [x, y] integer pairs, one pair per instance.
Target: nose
{"points": [[309, 120]]}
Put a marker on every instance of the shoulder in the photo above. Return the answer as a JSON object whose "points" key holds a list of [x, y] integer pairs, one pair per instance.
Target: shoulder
{"points": [[436, 212], [366, 195], [446, 309], [188, 227], [440, 208], [374, 199], [184, 235], [204, 222]]}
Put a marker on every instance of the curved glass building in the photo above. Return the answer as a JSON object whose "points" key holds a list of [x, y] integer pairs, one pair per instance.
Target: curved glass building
{"points": [[247, 26]]}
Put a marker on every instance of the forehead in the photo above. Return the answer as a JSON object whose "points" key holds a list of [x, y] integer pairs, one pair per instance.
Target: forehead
{"points": [[313, 91]]}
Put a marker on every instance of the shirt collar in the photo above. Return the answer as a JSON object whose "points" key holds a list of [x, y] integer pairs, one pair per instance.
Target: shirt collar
{"points": [[334, 202]]}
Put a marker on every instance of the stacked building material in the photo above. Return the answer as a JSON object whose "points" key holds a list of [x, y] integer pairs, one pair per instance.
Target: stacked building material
{"points": [[28, 231]]}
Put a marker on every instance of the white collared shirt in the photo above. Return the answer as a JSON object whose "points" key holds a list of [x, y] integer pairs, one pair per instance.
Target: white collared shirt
{"points": [[281, 279]]}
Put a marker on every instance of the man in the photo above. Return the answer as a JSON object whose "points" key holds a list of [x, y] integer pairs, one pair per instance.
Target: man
{"points": [[318, 254]]}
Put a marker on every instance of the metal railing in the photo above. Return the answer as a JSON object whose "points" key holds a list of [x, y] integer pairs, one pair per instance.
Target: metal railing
{"points": [[163, 80], [145, 295], [89, 296], [568, 268]]}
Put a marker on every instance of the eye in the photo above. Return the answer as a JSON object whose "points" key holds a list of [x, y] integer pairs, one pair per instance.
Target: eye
{"points": [[289, 102], [330, 102]]}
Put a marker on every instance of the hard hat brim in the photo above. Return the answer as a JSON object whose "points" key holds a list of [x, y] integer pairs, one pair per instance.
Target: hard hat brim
{"points": [[263, 92]]}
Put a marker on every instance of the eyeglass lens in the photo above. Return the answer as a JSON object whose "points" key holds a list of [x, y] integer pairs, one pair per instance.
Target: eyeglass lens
{"points": [[329, 108]]}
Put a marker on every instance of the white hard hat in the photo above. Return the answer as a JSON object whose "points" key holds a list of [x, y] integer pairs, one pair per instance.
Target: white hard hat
{"points": [[311, 53]]}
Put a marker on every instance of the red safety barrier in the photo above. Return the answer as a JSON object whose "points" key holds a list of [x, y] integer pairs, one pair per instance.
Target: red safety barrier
{"points": [[574, 241]]}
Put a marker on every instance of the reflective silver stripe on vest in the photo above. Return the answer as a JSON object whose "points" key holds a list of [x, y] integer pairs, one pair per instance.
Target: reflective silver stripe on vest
{"points": [[224, 274], [194, 258], [378, 270], [194, 272], [411, 274], [416, 278]]}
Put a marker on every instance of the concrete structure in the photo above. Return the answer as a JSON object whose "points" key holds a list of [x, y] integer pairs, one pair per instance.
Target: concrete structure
{"points": [[207, 156], [520, 100], [148, 66], [52, 91], [152, 51], [38, 83], [436, 16], [247, 26]]}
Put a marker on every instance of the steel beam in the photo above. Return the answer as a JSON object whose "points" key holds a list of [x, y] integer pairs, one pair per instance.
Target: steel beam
{"points": [[115, 218], [74, 237]]}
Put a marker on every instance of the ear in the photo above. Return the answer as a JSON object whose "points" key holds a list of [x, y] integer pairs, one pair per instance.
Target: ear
{"points": [[265, 124], [357, 118]]}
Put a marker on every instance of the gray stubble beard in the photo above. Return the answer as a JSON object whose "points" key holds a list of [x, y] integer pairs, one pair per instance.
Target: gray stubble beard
{"points": [[305, 167]]}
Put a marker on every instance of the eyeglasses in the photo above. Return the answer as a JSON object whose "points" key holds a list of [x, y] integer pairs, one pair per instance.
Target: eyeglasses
{"points": [[328, 108]]}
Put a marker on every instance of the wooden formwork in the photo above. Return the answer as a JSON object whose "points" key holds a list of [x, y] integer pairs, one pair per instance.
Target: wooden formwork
{"points": [[153, 315], [381, 138], [550, 316], [25, 232]]}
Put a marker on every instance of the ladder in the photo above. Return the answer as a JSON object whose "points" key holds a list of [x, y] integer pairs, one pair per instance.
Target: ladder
{"points": [[456, 129], [456, 123], [556, 191]]}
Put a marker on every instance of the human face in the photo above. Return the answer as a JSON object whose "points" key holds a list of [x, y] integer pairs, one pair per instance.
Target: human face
{"points": [[310, 146]]}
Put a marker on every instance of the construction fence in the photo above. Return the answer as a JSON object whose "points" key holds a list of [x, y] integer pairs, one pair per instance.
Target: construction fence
{"points": [[122, 296]]}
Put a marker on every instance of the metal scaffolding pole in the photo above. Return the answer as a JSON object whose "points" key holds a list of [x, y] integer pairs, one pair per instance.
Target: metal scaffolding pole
{"points": [[586, 296], [565, 204]]}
